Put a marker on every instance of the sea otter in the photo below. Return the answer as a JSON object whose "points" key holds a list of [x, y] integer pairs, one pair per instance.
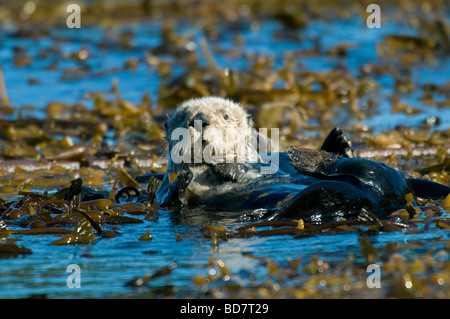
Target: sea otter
{"points": [[323, 185]]}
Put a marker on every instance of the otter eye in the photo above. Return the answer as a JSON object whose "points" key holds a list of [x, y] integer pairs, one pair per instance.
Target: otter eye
{"points": [[225, 117]]}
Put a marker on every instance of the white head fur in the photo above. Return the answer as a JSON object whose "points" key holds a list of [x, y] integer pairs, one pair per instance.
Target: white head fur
{"points": [[214, 130]]}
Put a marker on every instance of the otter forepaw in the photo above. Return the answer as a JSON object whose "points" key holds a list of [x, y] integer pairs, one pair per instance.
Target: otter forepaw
{"points": [[185, 177], [230, 171]]}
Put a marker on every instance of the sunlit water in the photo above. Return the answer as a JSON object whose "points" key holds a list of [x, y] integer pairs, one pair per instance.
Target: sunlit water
{"points": [[133, 84]]}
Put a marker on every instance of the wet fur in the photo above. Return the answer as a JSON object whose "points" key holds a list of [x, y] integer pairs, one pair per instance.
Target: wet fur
{"points": [[218, 117]]}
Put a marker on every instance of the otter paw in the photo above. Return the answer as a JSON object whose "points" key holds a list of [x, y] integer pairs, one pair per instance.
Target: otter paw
{"points": [[185, 178], [230, 171], [338, 143]]}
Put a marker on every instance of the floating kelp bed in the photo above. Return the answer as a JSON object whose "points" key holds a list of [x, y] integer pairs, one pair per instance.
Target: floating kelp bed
{"points": [[78, 216], [82, 147]]}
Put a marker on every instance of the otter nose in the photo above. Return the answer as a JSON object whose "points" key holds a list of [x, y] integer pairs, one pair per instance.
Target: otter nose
{"points": [[200, 117]]}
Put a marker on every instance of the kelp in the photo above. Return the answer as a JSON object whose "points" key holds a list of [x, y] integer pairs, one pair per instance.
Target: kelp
{"points": [[143, 281], [45, 214], [81, 234], [317, 277], [8, 250]]}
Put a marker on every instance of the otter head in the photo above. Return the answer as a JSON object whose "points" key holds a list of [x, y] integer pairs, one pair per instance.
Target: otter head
{"points": [[210, 130]]}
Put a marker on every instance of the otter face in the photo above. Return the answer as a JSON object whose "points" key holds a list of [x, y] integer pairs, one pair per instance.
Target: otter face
{"points": [[219, 131]]}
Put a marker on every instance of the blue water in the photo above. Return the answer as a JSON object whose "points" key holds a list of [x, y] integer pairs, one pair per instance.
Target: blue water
{"points": [[109, 264], [134, 83]]}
